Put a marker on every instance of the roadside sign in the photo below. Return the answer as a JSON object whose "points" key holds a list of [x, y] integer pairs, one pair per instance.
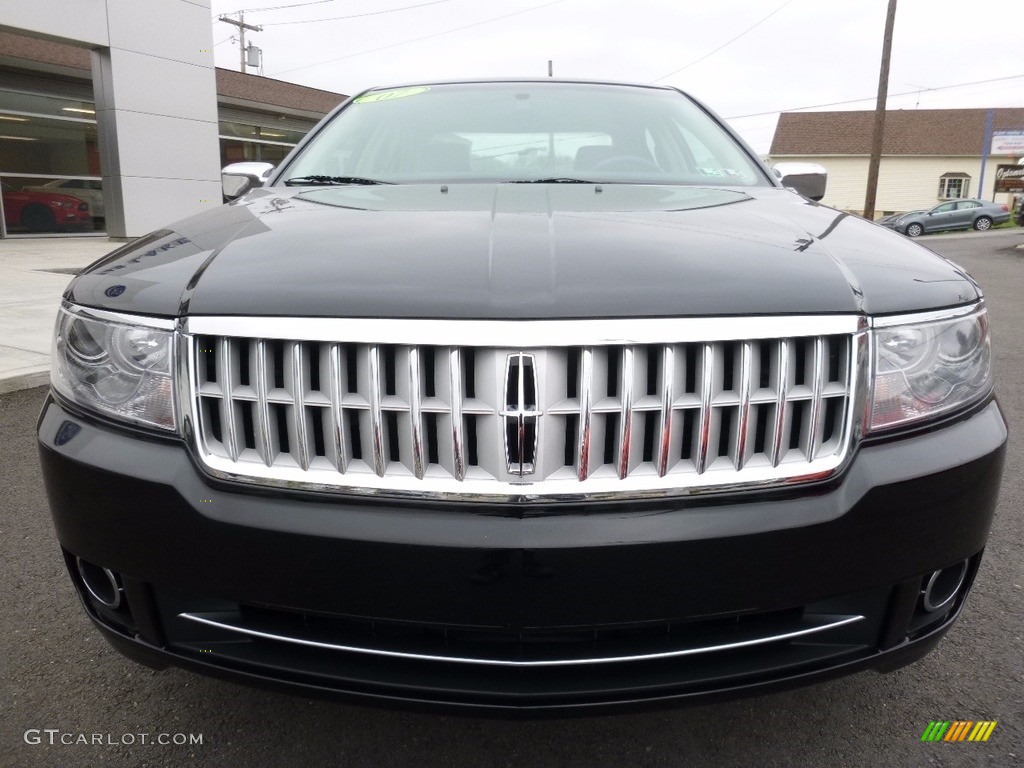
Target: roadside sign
{"points": [[1008, 143], [1009, 178]]}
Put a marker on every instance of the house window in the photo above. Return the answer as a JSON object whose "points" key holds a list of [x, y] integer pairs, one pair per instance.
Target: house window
{"points": [[954, 185]]}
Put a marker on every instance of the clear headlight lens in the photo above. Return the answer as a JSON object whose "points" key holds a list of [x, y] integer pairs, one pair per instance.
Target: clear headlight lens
{"points": [[925, 369], [121, 369]]}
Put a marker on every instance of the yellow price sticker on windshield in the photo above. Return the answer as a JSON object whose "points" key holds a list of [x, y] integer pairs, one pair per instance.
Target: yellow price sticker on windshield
{"points": [[394, 93]]}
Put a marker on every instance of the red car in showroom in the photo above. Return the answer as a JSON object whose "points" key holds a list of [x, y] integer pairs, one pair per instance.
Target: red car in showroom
{"points": [[43, 211]]}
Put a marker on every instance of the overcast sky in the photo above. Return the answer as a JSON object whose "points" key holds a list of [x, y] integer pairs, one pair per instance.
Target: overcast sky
{"points": [[789, 54]]}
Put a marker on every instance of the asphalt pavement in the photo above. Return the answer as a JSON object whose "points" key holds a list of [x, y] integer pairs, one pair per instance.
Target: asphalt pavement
{"points": [[60, 682]]}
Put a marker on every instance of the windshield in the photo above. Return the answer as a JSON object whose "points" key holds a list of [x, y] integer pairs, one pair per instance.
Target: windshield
{"points": [[541, 132]]}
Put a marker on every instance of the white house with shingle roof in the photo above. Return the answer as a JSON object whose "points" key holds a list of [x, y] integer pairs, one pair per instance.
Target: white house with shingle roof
{"points": [[928, 155]]}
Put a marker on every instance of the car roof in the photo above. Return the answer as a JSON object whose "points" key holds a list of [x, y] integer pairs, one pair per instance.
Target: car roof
{"points": [[530, 80]]}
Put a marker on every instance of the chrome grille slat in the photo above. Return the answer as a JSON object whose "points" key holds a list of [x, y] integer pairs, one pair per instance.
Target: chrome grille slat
{"points": [[667, 393], [458, 461], [298, 425], [415, 415], [612, 418], [707, 383], [781, 393], [336, 373], [817, 386], [266, 442], [586, 412], [376, 415], [226, 368], [743, 420], [626, 413]]}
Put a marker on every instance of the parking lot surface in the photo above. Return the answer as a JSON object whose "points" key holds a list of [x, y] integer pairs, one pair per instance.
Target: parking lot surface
{"points": [[70, 700]]}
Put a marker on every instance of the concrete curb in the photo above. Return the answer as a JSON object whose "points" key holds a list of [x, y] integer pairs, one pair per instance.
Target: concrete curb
{"points": [[30, 379]]}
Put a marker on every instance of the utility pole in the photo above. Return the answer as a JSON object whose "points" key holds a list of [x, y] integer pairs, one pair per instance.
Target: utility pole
{"points": [[879, 131], [986, 149], [242, 26]]}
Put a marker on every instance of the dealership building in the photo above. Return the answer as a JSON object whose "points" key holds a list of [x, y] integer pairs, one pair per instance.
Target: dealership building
{"points": [[114, 120]]}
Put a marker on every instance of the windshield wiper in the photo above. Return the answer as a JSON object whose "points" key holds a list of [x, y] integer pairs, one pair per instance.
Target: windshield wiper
{"points": [[297, 181], [552, 180]]}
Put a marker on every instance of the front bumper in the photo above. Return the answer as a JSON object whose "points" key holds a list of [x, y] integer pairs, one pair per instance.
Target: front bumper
{"points": [[523, 608]]}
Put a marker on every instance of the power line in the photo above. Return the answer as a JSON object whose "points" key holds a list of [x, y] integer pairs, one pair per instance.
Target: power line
{"points": [[281, 7], [355, 15], [871, 98], [418, 39], [723, 45]]}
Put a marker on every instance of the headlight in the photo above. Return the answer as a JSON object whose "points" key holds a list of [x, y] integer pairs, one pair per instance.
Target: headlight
{"points": [[116, 364], [60, 204], [923, 369]]}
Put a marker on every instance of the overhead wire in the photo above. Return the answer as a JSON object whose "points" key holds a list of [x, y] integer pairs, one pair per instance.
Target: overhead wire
{"points": [[872, 98], [725, 44], [279, 7], [418, 39], [354, 15]]}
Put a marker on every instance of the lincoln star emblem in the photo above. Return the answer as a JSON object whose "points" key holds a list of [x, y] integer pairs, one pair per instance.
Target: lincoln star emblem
{"points": [[521, 414]]}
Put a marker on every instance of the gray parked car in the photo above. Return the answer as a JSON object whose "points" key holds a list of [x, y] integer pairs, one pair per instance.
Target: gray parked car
{"points": [[890, 221], [956, 214]]}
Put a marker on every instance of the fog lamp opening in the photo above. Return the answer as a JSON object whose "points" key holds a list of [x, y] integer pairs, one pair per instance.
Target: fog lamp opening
{"points": [[942, 586], [101, 583]]}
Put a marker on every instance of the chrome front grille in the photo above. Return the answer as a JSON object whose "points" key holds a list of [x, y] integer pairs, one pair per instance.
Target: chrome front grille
{"points": [[666, 407]]}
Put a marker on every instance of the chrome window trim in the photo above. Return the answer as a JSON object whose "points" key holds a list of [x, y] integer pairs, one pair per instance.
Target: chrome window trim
{"points": [[839, 621]]}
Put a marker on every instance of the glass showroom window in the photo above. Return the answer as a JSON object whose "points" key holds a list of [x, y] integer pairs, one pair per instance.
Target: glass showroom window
{"points": [[241, 142], [952, 186], [49, 165]]}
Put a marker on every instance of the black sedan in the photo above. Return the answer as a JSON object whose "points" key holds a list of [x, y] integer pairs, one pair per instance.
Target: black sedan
{"points": [[523, 396]]}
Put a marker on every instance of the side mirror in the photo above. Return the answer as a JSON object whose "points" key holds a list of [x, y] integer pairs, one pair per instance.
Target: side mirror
{"points": [[238, 178], [807, 179]]}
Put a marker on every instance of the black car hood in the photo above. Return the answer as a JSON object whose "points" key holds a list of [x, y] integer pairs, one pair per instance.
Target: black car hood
{"points": [[521, 251]]}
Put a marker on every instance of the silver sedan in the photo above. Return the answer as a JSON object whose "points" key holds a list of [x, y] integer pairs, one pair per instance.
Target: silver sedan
{"points": [[956, 214]]}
